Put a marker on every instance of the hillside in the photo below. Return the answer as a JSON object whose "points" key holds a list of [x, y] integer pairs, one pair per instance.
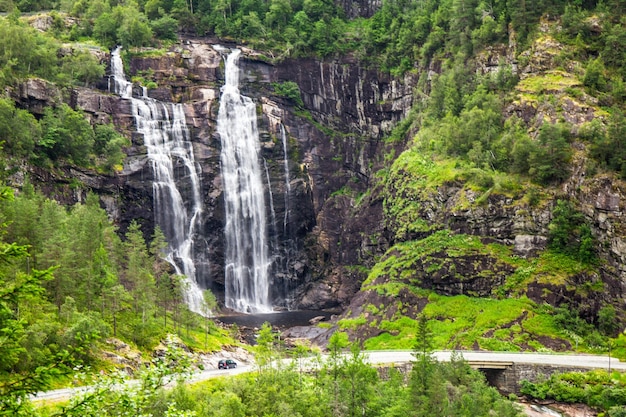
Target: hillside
{"points": [[458, 160]]}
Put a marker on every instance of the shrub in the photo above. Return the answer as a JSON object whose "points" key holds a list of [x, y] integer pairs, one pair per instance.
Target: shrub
{"points": [[290, 91]]}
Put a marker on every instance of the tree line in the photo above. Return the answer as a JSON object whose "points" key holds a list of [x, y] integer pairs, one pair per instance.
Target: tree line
{"points": [[68, 281], [463, 111], [340, 384]]}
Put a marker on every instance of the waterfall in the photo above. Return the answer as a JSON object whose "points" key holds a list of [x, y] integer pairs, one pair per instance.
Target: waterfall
{"points": [[247, 261], [271, 198], [170, 152], [288, 248], [283, 136]]}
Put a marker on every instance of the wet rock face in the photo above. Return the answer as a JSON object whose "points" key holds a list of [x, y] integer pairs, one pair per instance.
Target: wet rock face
{"points": [[315, 232], [361, 106], [345, 96], [324, 237]]}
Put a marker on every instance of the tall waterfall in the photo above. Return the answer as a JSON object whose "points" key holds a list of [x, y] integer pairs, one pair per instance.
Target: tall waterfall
{"points": [[247, 261], [166, 138], [283, 136]]}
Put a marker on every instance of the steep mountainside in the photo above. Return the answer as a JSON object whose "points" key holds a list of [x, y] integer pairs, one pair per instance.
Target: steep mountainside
{"points": [[472, 176]]}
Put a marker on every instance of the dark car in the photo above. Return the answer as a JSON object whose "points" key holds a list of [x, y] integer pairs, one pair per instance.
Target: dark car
{"points": [[226, 364]]}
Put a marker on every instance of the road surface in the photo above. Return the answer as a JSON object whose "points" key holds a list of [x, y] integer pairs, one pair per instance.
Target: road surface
{"points": [[399, 357]]}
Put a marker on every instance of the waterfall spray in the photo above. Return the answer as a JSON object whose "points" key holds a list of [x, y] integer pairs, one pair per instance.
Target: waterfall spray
{"points": [[247, 262], [166, 138]]}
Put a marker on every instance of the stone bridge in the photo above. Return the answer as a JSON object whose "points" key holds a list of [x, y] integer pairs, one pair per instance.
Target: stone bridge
{"points": [[507, 370], [507, 377]]}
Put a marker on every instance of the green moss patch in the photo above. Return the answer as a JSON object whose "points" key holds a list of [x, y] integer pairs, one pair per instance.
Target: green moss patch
{"points": [[403, 261], [474, 323], [549, 82]]}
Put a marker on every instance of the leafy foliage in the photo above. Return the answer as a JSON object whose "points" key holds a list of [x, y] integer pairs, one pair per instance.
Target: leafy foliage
{"points": [[570, 233], [114, 395], [24, 371], [68, 282], [341, 385], [27, 52], [103, 286], [63, 135], [599, 389], [289, 90]]}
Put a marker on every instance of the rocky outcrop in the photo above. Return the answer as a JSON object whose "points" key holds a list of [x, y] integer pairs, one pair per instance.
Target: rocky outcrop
{"points": [[36, 94], [344, 96]]}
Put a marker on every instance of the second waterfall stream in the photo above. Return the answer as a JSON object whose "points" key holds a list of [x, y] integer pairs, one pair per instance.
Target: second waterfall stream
{"points": [[247, 260]]}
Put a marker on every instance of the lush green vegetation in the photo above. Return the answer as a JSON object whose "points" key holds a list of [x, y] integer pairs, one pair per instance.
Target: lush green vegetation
{"points": [[342, 384], [468, 140], [600, 389], [69, 282], [463, 116], [62, 136], [114, 395], [27, 52], [495, 323]]}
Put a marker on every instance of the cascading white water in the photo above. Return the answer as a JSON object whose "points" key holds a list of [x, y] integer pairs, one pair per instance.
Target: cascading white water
{"points": [[247, 262], [283, 136], [271, 198], [166, 138]]}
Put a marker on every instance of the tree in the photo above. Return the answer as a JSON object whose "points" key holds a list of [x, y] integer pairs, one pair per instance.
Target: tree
{"points": [[266, 349], [165, 28], [139, 278], [81, 66], [336, 343], [279, 14], [109, 145], [594, 75], [19, 130], [66, 134], [462, 22], [209, 306], [116, 300], [359, 381], [549, 160], [423, 366], [613, 53], [134, 29], [25, 52], [17, 288], [105, 29], [570, 234], [606, 320]]}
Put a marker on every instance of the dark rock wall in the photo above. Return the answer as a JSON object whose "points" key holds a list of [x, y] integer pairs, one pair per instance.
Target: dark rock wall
{"points": [[333, 145]]}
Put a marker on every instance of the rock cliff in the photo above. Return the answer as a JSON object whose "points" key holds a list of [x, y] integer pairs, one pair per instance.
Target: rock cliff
{"points": [[331, 143], [336, 224]]}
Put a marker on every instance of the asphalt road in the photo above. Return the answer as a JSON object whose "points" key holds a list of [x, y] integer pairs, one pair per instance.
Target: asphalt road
{"points": [[585, 361], [398, 357]]}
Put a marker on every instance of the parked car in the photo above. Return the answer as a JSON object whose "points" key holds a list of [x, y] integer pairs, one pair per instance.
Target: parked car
{"points": [[226, 364]]}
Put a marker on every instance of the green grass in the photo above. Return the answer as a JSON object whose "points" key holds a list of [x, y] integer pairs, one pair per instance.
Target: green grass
{"points": [[400, 262], [345, 324], [551, 81], [555, 268], [468, 323]]}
